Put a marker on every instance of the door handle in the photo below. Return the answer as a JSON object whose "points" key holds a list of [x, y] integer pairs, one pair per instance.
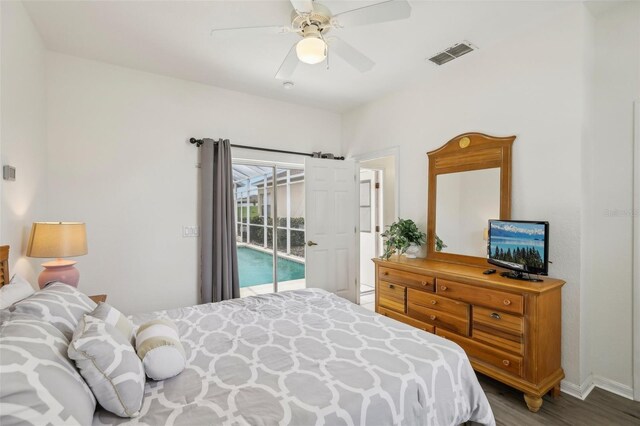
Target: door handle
{"points": [[311, 243]]}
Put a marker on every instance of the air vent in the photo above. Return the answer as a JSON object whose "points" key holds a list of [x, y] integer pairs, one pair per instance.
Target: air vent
{"points": [[452, 53], [442, 58]]}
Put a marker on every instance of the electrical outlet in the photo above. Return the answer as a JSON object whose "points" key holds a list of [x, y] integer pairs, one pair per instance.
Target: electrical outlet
{"points": [[190, 231]]}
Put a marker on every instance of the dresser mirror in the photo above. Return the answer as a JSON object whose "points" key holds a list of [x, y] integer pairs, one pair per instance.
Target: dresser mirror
{"points": [[466, 201], [469, 183]]}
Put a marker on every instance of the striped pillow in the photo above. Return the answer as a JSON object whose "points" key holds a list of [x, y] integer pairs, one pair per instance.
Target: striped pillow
{"points": [[158, 346], [115, 318]]}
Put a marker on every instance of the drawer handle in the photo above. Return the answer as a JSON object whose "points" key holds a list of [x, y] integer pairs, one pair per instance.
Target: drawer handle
{"points": [[433, 317], [391, 286], [424, 283], [443, 287], [385, 273], [433, 302], [506, 362], [507, 302], [495, 315]]}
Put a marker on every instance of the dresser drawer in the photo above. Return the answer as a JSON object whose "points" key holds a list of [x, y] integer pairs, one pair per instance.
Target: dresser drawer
{"points": [[439, 303], [408, 278], [507, 342], [407, 320], [392, 296], [483, 318], [500, 300], [485, 354], [439, 318]]}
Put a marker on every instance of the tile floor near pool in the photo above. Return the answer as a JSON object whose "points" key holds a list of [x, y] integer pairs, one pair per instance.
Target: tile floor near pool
{"points": [[268, 288], [256, 274]]}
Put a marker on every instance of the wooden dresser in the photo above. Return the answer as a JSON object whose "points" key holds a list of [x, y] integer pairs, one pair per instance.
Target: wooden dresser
{"points": [[510, 329]]}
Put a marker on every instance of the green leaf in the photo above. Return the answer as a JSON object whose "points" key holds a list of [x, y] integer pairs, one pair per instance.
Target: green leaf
{"points": [[399, 237]]}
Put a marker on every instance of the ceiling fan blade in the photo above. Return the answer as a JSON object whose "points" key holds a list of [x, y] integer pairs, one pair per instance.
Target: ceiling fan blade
{"points": [[350, 54], [285, 72], [302, 5], [391, 10], [258, 30]]}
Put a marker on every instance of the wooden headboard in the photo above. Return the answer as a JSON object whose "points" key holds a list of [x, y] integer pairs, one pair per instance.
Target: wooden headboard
{"points": [[4, 265]]}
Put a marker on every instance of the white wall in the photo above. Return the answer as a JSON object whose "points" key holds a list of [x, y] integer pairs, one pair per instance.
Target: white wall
{"points": [[23, 133], [610, 201], [530, 86], [119, 160]]}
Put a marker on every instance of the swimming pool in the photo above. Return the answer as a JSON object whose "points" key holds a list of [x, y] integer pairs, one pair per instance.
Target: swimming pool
{"points": [[256, 267]]}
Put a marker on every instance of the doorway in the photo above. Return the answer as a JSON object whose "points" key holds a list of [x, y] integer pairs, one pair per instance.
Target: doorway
{"points": [[269, 202], [378, 210], [371, 196]]}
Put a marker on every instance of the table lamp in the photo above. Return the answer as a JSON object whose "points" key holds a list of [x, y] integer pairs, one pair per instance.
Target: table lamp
{"points": [[58, 239]]}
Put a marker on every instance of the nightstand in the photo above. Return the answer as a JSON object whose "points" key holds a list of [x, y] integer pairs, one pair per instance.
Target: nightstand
{"points": [[99, 298]]}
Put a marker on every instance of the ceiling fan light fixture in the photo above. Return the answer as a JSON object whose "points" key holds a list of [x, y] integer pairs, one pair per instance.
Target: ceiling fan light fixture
{"points": [[311, 50]]}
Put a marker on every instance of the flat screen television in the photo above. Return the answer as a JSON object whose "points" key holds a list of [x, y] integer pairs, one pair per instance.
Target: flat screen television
{"points": [[522, 246]]}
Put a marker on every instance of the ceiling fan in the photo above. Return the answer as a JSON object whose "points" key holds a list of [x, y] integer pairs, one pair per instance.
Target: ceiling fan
{"points": [[312, 21]]}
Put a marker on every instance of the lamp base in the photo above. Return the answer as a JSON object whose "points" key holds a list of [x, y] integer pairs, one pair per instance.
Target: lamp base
{"points": [[59, 270]]}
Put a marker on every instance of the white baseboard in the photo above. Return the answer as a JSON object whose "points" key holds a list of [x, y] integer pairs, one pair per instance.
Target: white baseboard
{"points": [[582, 391], [613, 387], [578, 391]]}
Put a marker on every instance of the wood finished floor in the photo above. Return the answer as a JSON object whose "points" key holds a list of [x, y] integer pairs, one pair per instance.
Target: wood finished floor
{"points": [[599, 409]]}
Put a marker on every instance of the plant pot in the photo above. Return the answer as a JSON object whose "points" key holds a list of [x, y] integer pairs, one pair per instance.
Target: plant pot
{"points": [[412, 252]]}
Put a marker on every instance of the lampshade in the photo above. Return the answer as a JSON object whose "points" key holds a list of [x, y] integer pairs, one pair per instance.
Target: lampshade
{"points": [[57, 239], [311, 50]]}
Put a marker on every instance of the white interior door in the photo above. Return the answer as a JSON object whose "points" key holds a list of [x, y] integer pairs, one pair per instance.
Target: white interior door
{"points": [[330, 210]]}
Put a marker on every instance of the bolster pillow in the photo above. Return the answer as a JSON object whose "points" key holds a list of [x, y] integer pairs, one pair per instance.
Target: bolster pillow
{"points": [[158, 346]]}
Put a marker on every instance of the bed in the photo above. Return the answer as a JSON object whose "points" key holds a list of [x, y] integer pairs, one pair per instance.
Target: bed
{"points": [[308, 357]]}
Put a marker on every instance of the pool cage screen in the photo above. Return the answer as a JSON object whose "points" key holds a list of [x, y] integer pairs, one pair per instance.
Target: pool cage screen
{"points": [[257, 199]]}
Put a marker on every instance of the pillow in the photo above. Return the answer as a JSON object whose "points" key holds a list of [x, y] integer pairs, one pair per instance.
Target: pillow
{"points": [[109, 365], [115, 318], [160, 350], [57, 303], [15, 291], [40, 385]]}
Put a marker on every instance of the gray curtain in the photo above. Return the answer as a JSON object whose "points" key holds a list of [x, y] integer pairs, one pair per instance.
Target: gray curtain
{"points": [[219, 262]]}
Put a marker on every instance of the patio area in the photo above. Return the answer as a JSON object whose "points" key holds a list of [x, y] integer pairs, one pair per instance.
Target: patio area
{"points": [[268, 288]]}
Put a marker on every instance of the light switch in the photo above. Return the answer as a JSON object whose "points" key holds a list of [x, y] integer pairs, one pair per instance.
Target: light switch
{"points": [[190, 231], [9, 173]]}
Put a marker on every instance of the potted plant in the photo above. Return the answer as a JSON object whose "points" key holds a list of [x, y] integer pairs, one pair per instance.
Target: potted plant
{"points": [[400, 236]]}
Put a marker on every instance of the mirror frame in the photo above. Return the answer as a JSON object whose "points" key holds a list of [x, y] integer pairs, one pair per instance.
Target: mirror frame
{"points": [[467, 152]]}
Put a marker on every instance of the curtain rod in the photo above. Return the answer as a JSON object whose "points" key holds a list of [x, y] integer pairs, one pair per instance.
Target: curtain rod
{"points": [[198, 142]]}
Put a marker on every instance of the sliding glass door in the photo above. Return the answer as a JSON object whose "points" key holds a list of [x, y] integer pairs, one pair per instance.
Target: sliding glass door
{"points": [[269, 202], [290, 228]]}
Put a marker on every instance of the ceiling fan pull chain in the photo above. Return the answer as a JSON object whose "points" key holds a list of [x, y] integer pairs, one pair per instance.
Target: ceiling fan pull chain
{"points": [[326, 49]]}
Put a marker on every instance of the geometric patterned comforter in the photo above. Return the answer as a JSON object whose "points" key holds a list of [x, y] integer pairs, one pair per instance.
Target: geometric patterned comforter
{"points": [[308, 357]]}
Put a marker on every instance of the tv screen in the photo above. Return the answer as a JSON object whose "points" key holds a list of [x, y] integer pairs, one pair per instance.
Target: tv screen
{"points": [[519, 245]]}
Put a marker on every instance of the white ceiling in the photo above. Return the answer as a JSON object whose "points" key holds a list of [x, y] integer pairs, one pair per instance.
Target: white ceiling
{"points": [[173, 38]]}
